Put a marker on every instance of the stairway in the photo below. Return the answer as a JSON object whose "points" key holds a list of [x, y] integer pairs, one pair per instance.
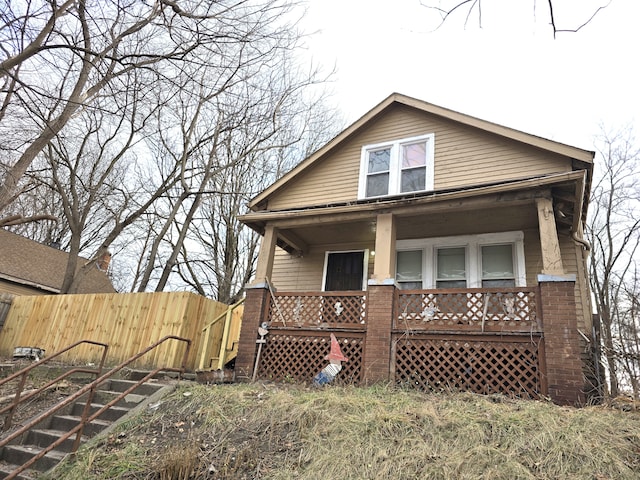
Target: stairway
{"points": [[46, 432]]}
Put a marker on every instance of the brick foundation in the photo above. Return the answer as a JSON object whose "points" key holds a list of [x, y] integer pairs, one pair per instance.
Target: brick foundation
{"points": [[254, 305], [377, 355], [564, 367]]}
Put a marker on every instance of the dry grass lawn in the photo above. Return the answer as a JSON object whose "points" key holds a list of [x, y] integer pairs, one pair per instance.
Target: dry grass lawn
{"points": [[284, 432]]}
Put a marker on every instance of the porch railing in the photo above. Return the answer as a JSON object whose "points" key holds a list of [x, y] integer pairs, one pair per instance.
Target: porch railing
{"points": [[317, 309], [298, 340], [508, 309]]}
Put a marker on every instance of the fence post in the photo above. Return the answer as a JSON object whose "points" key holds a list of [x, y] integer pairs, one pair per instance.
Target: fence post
{"points": [[6, 300]]}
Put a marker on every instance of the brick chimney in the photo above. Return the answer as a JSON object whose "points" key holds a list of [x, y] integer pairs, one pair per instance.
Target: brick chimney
{"points": [[103, 262]]}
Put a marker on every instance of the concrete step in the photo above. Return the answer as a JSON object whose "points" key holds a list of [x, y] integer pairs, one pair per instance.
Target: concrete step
{"points": [[51, 429], [140, 374], [103, 397], [112, 414], [118, 385], [6, 468], [67, 422], [20, 454], [45, 437]]}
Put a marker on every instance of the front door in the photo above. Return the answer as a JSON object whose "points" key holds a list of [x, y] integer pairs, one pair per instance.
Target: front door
{"points": [[345, 271]]}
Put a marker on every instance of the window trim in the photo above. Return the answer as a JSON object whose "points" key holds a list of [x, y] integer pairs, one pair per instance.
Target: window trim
{"points": [[365, 266], [395, 165], [472, 243]]}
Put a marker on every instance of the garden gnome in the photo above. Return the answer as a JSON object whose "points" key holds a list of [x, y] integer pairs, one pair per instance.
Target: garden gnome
{"points": [[328, 373]]}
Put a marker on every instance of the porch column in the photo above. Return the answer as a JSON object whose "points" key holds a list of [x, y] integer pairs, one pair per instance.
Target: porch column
{"points": [[384, 264], [254, 308], [561, 341], [377, 353], [264, 266], [551, 257], [381, 294]]}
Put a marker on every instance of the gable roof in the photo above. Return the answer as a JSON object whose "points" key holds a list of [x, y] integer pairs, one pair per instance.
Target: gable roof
{"points": [[397, 98], [33, 264]]}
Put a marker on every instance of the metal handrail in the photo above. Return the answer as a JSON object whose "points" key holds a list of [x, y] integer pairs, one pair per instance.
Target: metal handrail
{"points": [[91, 388], [19, 399]]}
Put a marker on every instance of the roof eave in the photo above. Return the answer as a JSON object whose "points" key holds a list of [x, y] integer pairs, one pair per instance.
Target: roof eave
{"points": [[257, 220]]}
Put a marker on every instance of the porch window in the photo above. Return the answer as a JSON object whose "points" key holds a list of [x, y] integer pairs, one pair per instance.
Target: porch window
{"points": [[451, 270], [409, 269], [497, 266], [469, 261], [396, 167]]}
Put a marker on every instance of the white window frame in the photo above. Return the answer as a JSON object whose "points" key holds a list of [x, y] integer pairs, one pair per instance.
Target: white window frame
{"points": [[395, 164], [365, 266], [472, 243]]}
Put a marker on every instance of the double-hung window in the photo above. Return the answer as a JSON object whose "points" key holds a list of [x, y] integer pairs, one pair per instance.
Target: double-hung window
{"points": [[397, 167], [497, 265], [451, 267], [469, 261], [409, 269]]}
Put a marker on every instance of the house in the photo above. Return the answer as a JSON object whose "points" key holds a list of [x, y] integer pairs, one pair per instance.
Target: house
{"points": [[31, 268], [443, 251]]}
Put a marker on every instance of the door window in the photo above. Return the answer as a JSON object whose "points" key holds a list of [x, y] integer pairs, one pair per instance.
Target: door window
{"points": [[344, 271]]}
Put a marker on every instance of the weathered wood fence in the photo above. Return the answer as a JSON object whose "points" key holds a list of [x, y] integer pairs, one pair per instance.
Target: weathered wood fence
{"points": [[128, 323]]}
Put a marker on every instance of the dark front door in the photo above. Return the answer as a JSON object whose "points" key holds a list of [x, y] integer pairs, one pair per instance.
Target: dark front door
{"points": [[344, 271]]}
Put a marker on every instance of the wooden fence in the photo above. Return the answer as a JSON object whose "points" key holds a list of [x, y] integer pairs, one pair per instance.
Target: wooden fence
{"points": [[128, 323]]}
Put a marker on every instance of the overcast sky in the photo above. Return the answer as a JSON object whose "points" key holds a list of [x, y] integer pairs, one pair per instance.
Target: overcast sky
{"points": [[509, 70]]}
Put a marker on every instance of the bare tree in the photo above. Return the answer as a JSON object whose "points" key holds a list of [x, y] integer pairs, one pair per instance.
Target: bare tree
{"points": [[229, 139], [474, 9], [56, 59], [89, 165], [614, 232]]}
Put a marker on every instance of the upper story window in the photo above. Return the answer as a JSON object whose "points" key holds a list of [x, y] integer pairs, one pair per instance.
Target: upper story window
{"points": [[400, 166]]}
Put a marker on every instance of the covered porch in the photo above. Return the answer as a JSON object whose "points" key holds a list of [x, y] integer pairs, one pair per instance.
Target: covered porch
{"points": [[518, 336]]}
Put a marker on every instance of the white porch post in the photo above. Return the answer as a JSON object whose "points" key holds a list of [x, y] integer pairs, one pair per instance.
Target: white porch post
{"points": [[384, 264], [265, 257], [551, 257]]}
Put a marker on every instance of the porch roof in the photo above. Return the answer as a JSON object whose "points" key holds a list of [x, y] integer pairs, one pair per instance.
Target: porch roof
{"points": [[568, 187]]}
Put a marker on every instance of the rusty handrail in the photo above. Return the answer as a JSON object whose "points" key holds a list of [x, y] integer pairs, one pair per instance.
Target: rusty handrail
{"points": [[19, 399], [91, 388]]}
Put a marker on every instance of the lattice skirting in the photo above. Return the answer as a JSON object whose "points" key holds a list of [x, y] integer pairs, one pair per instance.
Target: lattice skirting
{"points": [[296, 355], [477, 365]]}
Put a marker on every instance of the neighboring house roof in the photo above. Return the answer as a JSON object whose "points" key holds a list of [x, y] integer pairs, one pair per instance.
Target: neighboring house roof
{"points": [[396, 98], [29, 263]]}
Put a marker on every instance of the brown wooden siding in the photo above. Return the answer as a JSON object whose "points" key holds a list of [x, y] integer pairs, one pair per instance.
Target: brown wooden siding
{"points": [[463, 155], [16, 289], [295, 274]]}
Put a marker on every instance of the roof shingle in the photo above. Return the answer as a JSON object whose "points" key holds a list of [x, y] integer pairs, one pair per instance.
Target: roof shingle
{"points": [[27, 262]]}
